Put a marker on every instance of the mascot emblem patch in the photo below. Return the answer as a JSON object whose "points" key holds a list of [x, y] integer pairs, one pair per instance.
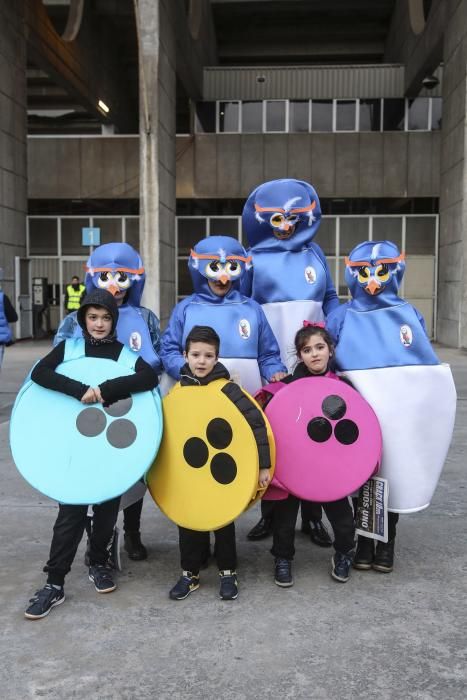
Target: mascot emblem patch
{"points": [[406, 336], [310, 274]]}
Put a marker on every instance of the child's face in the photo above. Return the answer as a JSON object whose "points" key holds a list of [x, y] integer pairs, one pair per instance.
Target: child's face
{"points": [[201, 358], [98, 322], [315, 354]]}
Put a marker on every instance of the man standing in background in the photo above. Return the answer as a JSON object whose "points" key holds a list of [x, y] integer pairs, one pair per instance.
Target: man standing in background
{"points": [[74, 294]]}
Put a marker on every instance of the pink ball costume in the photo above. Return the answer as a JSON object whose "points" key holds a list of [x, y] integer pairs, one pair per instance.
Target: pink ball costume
{"points": [[328, 439]]}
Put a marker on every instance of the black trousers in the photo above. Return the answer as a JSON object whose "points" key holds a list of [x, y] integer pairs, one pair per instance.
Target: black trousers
{"points": [[194, 548], [393, 519], [132, 516], [309, 510], [339, 514], [68, 531]]}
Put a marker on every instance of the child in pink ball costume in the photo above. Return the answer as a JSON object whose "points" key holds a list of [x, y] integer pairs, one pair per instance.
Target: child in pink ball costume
{"points": [[314, 351]]}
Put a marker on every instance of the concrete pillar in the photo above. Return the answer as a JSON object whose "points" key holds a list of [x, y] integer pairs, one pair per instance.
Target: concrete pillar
{"points": [[452, 291], [156, 30], [13, 135]]}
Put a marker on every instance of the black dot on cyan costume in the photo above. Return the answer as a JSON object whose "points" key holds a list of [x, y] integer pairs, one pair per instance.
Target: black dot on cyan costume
{"points": [[223, 468], [91, 422], [121, 433], [319, 429], [219, 433], [334, 407], [346, 431], [119, 408], [195, 452]]}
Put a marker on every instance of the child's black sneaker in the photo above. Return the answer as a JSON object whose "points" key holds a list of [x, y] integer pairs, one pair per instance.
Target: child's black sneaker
{"points": [[102, 579], [341, 564], [229, 584], [283, 572], [186, 584], [43, 602], [365, 553], [384, 557], [134, 547]]}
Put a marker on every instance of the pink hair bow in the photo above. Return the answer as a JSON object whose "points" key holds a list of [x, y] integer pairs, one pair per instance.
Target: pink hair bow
{"points": [[319, 324]]}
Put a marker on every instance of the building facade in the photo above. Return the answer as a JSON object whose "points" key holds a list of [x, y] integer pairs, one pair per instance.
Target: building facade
{"points": [[206, 100]]}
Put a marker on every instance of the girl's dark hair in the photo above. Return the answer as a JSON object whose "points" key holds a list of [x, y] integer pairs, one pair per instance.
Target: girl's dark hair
{"points": [[203, 334], [305, 333]]}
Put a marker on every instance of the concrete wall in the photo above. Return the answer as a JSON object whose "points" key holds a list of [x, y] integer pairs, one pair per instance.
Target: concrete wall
{"points": [[389, 164], [452, 307], [83, 168], [13, 175]]}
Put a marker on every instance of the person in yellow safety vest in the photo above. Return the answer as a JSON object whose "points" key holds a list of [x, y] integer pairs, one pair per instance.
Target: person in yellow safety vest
{"points": [[74, 294]]}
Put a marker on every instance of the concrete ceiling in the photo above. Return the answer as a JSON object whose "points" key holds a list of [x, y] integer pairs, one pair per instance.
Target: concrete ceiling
{"points": [[279, 32], [248, 32]]}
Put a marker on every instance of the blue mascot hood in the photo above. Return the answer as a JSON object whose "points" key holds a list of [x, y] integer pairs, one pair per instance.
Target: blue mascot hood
{"points": [[281, 215], [374, 271], [218, 258], [104, 266]]}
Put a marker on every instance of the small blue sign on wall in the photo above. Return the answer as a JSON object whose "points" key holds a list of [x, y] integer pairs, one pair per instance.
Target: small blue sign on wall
{"points": [[91, 236]]}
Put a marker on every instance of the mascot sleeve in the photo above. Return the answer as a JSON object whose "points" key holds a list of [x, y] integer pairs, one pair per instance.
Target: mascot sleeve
{"points": [[331, 300], [335, 321], [172, 342], [66, 329], [269, 356]]}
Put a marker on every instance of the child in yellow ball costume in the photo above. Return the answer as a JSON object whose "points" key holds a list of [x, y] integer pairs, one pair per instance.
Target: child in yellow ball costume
{"points": [[202, 368]]}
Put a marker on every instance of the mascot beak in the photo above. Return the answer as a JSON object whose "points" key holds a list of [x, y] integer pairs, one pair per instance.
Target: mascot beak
{"points": [[113, 289], [373, 287], [224, 279]]}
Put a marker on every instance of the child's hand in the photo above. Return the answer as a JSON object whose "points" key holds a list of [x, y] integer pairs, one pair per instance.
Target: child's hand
{"points": [[98, 394], [89, 396], [278, 376], [264, 478]]}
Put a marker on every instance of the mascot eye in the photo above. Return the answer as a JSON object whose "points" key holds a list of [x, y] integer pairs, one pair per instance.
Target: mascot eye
{"points": [[276, 220], [292, 219], [212, 269], [233, 269], [103, 280], [122, 280], [382, 272], [363, 274]]}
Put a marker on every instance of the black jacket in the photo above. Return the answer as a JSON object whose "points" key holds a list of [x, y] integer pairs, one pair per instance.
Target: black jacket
{"points": [[112, 390], [247, 408]]}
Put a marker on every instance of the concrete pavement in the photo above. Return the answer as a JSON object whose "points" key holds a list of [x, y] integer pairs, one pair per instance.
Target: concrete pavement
{"points": [[381, 636]]}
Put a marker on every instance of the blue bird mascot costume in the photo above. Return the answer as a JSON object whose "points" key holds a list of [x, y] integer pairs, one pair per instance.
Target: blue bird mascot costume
{"points": [[248, 347], [383, 349], [118, 268], [290, 277]]}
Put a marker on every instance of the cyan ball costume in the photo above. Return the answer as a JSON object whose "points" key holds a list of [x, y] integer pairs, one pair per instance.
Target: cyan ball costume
{"points": [[383, 348], [118, 267], [78, 454], [290, 277], [248, 347]]}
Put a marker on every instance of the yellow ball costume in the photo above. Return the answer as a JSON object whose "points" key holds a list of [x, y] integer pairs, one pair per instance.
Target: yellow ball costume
{"points": [[206, 471]]}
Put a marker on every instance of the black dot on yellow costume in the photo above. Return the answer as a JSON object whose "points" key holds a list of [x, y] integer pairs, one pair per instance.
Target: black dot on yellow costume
{"points": [[206, 471]]}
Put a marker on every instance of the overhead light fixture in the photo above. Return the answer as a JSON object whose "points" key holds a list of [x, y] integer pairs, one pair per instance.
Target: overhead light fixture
{"points": [[103, 107], [260, 78], [430, 82]]}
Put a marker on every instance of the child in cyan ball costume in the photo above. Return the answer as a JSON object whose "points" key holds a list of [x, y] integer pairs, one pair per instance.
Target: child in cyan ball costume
{"points": [[314, 350], [201, 368], [97, 318]]}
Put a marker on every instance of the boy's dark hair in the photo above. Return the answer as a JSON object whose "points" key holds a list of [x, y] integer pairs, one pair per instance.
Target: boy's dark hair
{"points": [[305, 333], [203, 334]]}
